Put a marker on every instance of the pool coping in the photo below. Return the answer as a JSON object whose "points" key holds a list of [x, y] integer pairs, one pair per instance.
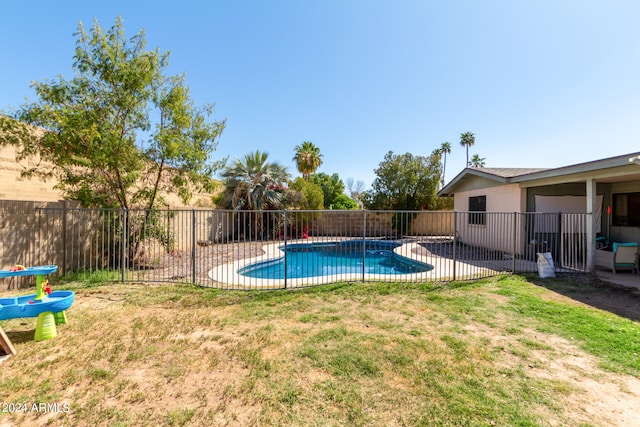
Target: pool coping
{"points": [[228, 273]]}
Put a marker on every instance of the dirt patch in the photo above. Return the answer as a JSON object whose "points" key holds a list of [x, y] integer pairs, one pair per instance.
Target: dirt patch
{"points": [[595, 397], [182, 265], [601, 397]]}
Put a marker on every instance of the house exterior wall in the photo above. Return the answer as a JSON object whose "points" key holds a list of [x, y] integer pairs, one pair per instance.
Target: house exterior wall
{"points": [[502, 198], [506, 198], [604, 178]]}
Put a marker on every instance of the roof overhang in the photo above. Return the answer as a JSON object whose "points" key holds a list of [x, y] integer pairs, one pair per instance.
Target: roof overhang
{"points": [[466, 174], [614, 169]]}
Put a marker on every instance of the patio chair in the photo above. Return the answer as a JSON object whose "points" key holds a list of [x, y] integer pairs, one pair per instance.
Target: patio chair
{"points": [[602, 242], [622, 256]]}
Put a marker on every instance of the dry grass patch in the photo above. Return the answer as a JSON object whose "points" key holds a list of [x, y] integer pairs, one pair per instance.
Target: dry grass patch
{"points": [[363, 354]]}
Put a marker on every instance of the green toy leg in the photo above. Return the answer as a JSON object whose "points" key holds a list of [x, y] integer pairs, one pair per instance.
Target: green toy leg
{"points": [[46, 327], [61, 317]]}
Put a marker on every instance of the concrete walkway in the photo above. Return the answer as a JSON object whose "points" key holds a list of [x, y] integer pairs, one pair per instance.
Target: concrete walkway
{"points": [[622, 278], [443, 270]]}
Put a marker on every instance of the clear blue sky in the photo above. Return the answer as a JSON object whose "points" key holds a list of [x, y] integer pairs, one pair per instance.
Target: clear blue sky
{"points": [[541, 83]]}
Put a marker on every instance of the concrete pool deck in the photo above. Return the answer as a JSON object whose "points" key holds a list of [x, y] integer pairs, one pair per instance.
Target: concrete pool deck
{"points": [[443, 269]]}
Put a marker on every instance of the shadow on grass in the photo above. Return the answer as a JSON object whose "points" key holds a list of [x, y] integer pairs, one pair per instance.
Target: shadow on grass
{"points": [[589, 290], [19, 337]]}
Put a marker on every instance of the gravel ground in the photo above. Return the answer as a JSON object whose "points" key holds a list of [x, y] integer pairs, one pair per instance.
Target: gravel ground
{"points": [[177, 265]]}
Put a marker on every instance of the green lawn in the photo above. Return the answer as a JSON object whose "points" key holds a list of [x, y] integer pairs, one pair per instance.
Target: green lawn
{"points": [[492, 352]]}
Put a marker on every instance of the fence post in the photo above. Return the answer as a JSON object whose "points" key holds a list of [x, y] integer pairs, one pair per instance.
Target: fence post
{"points": [[559, 245], [64, 238], [123, 255], [515, 240], [285, 249], [39, 212], [193, 246], [455, 243], [364, 238]]}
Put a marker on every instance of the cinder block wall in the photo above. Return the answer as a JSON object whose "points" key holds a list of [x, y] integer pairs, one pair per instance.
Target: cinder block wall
{"points": [[20, 237], [350, 223], [14, 187]]}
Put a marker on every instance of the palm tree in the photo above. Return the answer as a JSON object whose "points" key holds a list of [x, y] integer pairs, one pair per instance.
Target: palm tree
{"points": [[445, 149], [307, 158], [477, 161], [252, 183], [467, 139]]}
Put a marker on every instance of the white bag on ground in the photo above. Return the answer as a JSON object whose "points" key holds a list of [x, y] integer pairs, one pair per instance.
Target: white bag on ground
{"points": [[545, 265]]}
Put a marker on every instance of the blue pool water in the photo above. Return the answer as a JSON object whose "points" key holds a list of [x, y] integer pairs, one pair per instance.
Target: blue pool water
{"points": [[323, 259]]}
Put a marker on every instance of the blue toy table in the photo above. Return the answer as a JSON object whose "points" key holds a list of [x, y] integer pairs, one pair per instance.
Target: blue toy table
{"points": [[48, 308]]}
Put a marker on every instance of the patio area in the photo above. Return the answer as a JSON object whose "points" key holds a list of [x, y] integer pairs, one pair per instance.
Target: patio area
{"points": [[621, 278]]}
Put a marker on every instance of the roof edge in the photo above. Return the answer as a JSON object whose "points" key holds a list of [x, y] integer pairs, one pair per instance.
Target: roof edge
{"points": [[609, 162], [446, 190]]}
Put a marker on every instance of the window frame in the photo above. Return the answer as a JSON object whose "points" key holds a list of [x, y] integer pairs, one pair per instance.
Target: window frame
{"points": [[629, 203], [477, 210]]}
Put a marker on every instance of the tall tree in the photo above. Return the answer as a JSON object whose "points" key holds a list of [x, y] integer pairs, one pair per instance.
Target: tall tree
{"points": [[467, 140], [445, 149], [253, 183], [406, 181], [120, 133], [310, 195], [332, 186], [308, 159], [477, 161]]}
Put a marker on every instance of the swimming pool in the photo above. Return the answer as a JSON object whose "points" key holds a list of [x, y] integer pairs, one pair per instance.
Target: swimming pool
{"points": [[335, 258]]}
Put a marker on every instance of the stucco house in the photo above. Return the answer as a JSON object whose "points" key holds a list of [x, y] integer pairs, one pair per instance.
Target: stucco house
{"points": [[608, 189]]}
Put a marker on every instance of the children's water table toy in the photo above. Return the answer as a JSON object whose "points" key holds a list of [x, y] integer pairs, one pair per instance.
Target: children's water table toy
{"points": [[49, 307]]}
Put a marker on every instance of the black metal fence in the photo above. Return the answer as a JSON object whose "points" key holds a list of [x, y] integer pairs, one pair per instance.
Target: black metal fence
{"points": [[290, 249]]}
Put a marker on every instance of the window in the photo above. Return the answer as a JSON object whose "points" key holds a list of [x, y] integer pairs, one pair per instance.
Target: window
{"points": [[477, 204], [626, 209]]}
